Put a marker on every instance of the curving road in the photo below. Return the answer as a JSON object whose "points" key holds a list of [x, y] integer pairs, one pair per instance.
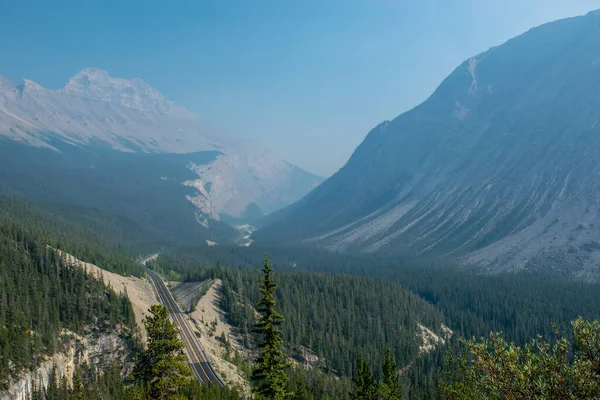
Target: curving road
{"points": [[197, 358]]}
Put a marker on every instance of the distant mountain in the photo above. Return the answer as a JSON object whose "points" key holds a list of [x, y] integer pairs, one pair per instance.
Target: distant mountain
{"points": [[500, 167], [252, 171], [96, 110]]}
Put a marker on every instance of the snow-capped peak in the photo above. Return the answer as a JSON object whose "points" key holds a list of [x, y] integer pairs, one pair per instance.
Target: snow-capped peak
{"points": [[31, 85], [97, 84], [5, 84]]}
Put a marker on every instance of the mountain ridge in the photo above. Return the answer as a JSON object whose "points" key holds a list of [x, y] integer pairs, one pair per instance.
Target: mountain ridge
{"points": [[97, 84], [92, 104], [482, 169], [96, 109]]}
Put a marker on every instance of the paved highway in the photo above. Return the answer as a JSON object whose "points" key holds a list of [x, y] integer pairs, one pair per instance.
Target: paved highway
{"points": [[197, 358]]}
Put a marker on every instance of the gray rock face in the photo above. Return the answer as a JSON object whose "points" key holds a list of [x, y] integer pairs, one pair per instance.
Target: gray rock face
{"points": [[129, 115], [499, 167], [100, 351]]}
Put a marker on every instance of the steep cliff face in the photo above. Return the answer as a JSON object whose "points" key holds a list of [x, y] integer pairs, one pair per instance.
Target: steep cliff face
{"points": [[100, 351], [498, 167]]}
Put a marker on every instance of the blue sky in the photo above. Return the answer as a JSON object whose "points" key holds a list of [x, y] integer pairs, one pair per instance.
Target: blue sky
{"points": [[310, 78]]}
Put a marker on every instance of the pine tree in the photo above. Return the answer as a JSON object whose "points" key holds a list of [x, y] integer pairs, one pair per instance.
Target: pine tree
{"points": [[496, 369], [269, 377], [163, 364], [390, 388], [364, 384], [52, 389], [301, 392], [78, 389]]}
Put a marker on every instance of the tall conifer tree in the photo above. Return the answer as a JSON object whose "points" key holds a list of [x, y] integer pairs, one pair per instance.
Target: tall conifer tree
{"points": [[163, 364], [269, 377], [390, 388], [364, 383]]}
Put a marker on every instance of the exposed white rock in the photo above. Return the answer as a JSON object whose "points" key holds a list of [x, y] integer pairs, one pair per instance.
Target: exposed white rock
{"points": [[250, 173], [98, 350], [430, 340]]}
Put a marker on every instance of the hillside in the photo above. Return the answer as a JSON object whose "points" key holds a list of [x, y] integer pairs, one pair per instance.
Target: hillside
{"points": [[97, 112], [144, 191], [100, 238], [139, 291], [47, 305], [330, 318], [497, 168]]}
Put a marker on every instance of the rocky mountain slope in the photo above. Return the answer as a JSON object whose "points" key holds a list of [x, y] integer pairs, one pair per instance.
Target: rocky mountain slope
{"points": [[96, 110], [499, 167], [251, 171]]}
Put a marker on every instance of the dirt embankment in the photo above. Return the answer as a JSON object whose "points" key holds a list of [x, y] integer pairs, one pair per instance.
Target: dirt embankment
{"points": [[209, 320], [140, 291], [187, 294]]}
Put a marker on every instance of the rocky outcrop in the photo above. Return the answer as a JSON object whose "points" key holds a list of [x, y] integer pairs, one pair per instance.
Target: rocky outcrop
{"points": [[431, 340], [98, 350], [307, 357]]}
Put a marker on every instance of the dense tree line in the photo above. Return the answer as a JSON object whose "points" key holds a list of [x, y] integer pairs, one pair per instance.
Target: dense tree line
{"points": [[89, 235], [139, 190], [336, 316], [519, 304], [40, 296], [91, 384], [366, 387], [88, 383], [314, 384]]}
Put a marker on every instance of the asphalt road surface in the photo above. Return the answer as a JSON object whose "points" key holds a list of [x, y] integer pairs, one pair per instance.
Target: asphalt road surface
{"points": [[197, 358]]}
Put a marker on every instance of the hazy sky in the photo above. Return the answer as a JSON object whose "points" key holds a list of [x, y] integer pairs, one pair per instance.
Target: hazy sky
{"points": [[311, 78]]}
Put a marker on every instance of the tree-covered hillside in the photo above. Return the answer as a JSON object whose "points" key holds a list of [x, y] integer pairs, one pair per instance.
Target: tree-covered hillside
{"points": [[40, 296], [519, 305], [145, 190], [91, 235], [336, 317]]}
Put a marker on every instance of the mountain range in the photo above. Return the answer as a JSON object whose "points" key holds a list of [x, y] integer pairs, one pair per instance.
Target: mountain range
{"points": [[499, 167], [97, 111]]}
